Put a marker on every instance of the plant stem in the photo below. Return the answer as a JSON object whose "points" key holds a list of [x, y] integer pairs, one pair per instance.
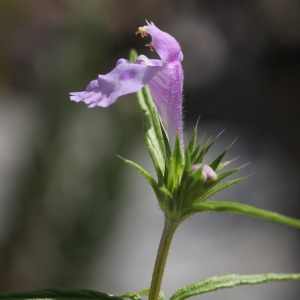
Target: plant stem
{"points": [[170, 227]]}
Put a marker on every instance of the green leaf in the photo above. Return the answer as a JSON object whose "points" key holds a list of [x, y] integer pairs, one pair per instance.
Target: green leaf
{"points": [[228, 281], [152, 126], [195, 153], [247, 210], [137, 296], [177, 156], [224, 164], [214, 165], [213, 190], [166, 140], [146, 293], [192, 142], [206, 148], [188, 163], [147, 176], [166, 192], [164, 177], [57, 293], [174, 169], [213, 187], [131, 295], [197, 200], [225, 174]]}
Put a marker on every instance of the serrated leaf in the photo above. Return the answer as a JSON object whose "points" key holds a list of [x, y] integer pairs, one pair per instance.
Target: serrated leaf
{"points": [[247, 210], [228, 281], [57, 293]]}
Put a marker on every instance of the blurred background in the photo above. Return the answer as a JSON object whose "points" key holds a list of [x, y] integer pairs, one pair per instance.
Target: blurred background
{"points": [[74, 215]]}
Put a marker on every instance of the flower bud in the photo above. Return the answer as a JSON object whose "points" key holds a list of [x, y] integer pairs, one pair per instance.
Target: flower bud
{"points": [[208, 173]]}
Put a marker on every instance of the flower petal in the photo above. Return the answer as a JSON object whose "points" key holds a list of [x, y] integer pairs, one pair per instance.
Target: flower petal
{"points": [[124, 79], [167, 85], [166, 90], [165, 45]]}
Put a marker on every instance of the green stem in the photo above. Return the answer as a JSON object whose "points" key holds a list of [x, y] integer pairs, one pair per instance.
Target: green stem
{"points": [[170, 227]]}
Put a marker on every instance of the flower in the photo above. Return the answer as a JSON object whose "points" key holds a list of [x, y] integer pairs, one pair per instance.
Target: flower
{"points": [[164, 77]]}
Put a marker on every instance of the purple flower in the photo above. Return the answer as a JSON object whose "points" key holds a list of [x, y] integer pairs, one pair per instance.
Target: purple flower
{"points": [[164, 77]]}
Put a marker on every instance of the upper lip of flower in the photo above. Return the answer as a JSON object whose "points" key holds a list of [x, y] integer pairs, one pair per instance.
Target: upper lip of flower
{"points": [[164, 77]]}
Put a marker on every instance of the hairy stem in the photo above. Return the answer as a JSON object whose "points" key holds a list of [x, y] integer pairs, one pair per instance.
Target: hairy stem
{"points": [[170, 227]]}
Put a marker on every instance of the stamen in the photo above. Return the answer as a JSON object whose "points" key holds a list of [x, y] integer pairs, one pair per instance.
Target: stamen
{"points": [[142, 31], [151, 46]]}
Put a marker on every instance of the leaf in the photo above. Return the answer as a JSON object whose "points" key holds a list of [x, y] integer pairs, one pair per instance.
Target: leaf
{"points": [[213, 190], [228, 281], [188, 163], [57, 293], [206, 148], [196, 207], [192, 142], [147, 176], [195, 153], [214, 165], [131, 295], [177, 157], [224, 164], [152, 129], [174, 169], [166, 139], [164, 177], [247, 210], [146, 293], [137, 296]]}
